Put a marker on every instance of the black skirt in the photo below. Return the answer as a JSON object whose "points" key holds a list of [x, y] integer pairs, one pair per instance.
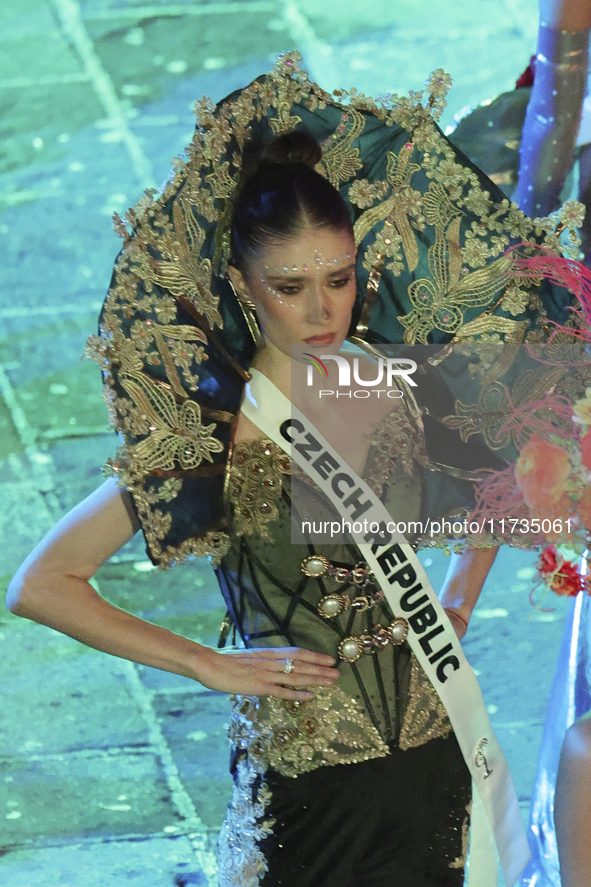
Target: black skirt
{"points": [[398, 821]]}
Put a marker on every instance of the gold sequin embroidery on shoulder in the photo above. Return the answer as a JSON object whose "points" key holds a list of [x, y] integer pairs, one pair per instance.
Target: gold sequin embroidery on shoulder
{"points": [[425, 717], [297, 737], [177, 432], [396, 441], [254, 484]]}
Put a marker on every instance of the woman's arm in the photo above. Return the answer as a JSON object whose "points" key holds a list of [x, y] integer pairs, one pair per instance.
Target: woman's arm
{"points": [[52, 587], [554, 109], [463, 583], [570, 15]]}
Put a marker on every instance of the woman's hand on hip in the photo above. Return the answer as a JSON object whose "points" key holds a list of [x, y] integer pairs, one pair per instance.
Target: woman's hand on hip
{"points": [[286, 672]]}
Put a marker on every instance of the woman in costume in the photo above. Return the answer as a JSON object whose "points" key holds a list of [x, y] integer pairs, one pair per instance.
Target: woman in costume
{"points": [[316, 763], [546, 156], [295, 265], [554, 110], [529, 140]]}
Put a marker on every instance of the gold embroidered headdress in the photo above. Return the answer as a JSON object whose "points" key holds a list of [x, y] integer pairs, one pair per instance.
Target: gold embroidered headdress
{"points": [[174, 345]]}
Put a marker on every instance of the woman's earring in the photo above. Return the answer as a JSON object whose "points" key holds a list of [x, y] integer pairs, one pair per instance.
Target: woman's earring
{"points": [[248, 309]]}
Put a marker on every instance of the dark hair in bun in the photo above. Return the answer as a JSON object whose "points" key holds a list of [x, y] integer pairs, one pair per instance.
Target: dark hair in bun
{"points": [[281, 193]]}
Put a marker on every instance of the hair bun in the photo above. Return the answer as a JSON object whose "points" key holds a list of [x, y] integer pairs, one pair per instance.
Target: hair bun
{"points": [[298, 146], [280, 194]]}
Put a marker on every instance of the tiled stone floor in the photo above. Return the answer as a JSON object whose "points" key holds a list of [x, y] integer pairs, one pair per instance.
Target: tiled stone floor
{"points": [[112, 774]]}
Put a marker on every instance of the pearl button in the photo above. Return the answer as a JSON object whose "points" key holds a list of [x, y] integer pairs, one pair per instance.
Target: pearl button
{"points": [[398, 630], [330, 606], [350, 650], [315, 565]]}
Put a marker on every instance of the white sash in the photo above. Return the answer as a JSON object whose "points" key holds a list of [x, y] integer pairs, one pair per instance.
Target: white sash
{"points": [[402, 578]]}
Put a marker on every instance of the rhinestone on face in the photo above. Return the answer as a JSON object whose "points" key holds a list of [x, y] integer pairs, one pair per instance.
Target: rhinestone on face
{"points": [[398, 630], [331, 605], [350, 649], [315, 565]]}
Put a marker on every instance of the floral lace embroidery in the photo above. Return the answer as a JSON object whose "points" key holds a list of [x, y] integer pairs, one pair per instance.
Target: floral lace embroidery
{"points": [[340, 160], [255, 481], [156, 521], [297, 737], [425, 717], [241, 862], [396, 440]]}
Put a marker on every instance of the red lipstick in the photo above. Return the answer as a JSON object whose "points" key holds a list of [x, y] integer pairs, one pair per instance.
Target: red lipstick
{"points": [[326, 339]]}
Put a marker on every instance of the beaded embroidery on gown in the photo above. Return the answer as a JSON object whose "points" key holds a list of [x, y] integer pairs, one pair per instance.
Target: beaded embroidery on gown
{"points": [[279, 593]]}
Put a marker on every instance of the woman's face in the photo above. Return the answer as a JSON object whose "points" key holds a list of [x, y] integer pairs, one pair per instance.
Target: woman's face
{"points": [[303, 288]]}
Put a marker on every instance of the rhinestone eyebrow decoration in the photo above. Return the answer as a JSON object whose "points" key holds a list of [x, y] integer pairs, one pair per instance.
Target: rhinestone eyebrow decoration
{"points": [[280, 270], [319, 262]]}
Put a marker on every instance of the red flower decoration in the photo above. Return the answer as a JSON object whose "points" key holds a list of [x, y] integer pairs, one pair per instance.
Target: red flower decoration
{"points": [[561, 576], [567, 580], [548, 560], [527, 78]]}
